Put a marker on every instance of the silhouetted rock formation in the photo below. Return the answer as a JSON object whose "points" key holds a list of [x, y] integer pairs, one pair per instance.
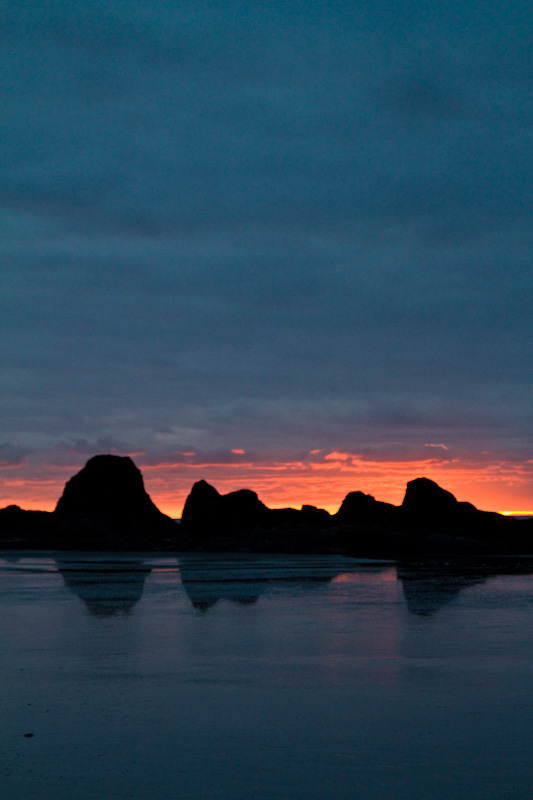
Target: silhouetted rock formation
{"points": [[426, 498], [106, 504], [106, 507], [16, 523], [107, 487], [362, 509], [103, 507], [207, 512], [429, 521], [240, 521], [441, 523]]}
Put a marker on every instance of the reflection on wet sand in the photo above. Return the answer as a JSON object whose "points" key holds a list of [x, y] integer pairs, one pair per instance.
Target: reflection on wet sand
{"points": [[243, 580], [110, 586], [107, 588], [430, 585]]}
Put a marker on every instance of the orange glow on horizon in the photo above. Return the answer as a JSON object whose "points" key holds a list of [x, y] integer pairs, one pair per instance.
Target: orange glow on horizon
{"points": [[322, 479], [516, 513]]}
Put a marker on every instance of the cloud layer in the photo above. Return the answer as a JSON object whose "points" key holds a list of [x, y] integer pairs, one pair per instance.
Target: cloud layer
{"points": [[271, 227]]}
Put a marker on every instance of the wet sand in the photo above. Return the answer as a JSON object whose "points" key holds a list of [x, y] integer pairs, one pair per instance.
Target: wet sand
{"points": [[242, 678]]}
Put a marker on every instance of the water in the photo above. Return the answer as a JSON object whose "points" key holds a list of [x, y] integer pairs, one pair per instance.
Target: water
{"points": [[264, 677]]}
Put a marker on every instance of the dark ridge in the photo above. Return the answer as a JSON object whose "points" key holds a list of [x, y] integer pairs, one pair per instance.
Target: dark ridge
{"points": [[423, 497], [103, 507], [206, 510], [430, 521], [106, 507], [107, 486]]}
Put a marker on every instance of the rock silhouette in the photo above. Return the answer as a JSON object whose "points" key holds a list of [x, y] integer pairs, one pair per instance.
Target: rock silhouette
{"points": [[429, 521], [107, 500], [240, 521], [16, 525], [106, 507], [108, 487], [436, 516], [103, 507], [424, 497], [206, 510]]}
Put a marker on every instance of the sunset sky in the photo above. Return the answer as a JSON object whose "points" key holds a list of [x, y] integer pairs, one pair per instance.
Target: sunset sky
{"points": [[283, 246]]}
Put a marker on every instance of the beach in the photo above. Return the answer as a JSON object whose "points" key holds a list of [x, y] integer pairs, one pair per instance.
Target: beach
{"points": [[257, 677]]}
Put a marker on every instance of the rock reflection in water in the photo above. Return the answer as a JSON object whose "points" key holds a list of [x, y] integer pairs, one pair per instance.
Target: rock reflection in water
{"points": [[107, 587], [244, 580], [430, 585], [112, 586]]}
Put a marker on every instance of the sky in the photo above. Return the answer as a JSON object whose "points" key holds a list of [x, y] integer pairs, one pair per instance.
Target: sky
{"points": [[283, 246]]}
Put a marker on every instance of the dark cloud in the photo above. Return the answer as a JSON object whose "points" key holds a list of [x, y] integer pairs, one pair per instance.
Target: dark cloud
{"points": [[271, 227], [11, 455], [104, 444]]}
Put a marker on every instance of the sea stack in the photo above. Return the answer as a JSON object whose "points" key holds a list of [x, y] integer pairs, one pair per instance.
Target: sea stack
{"points": [[107, 498], [107, 485], [426, 498], [209, 514]]}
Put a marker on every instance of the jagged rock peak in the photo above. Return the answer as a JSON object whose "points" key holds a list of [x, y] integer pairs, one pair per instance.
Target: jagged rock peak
{"points": [[205, 509], [204, 499], [357, 501], [358, 508], [423, 496], [203, 490], [106, 485]]}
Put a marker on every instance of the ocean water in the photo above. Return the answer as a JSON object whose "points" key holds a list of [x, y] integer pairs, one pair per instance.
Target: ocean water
{"points": [[262, 677]]}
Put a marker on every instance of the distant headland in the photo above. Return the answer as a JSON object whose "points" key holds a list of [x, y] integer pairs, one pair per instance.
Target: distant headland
{"points": [[106, 507]]}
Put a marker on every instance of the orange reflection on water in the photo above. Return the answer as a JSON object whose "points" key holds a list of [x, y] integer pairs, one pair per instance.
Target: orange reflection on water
{"points": [[373, 632], [386, 575]]}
